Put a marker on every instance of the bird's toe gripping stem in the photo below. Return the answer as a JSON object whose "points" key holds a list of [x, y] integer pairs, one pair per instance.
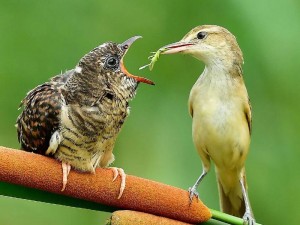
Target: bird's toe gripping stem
{"points": [[193, 192], [117, 172], [248, 219], [66, 167]]}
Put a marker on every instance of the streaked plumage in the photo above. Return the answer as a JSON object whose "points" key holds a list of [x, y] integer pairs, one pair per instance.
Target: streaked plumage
{"points": [[40, 115], [76, 116]]}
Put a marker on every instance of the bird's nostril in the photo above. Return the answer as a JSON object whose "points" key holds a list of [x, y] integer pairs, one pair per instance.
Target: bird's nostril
{"points": [[125, 46]]}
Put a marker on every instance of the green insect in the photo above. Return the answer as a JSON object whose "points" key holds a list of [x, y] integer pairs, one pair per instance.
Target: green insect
{"points": [[154, 57]]}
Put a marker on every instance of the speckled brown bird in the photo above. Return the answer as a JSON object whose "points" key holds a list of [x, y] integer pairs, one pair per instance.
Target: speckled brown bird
{"points": [[76, 116]]}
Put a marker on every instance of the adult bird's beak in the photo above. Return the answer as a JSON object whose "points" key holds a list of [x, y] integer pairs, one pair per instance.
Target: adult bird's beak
{"points": [[125, 46], [177, 47]]}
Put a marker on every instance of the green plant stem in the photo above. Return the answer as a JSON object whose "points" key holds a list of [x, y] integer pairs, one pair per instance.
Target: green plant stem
{"points": [[226, 218]]}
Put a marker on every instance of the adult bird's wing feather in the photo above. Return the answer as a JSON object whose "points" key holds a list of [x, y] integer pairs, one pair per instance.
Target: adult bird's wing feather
{"points": [[248, 115]]}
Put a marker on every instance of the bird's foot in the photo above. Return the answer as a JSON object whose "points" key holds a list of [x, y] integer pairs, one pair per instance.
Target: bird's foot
{"points": [[193, 192], [248, 219], [66, 167], [117, 172]]}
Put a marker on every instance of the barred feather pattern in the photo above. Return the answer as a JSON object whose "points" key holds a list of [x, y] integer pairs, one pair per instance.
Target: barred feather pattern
{"points": [[85, 107]]}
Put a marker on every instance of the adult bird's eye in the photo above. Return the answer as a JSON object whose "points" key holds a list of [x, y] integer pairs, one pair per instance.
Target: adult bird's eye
{"points": [[111, 62], [201, 35]]}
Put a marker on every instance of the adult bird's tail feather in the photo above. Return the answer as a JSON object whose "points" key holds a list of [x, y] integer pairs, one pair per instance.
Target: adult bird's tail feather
{"points": [[230, 193]]}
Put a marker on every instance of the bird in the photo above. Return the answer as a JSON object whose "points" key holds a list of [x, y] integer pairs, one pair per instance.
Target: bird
{"points": [[77, 115], [221, 114]]}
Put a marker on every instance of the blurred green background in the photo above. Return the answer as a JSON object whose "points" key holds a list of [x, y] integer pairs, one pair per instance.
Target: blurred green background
{"points": [[39, 39]]}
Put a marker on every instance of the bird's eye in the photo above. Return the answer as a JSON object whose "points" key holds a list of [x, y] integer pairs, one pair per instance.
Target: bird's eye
{"points": [[111, 62], [201, 35]]}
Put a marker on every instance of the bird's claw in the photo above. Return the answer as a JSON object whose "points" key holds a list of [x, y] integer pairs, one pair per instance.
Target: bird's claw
{"points": [[193, 192], [117, 172], [248, 219], [66, 167]]}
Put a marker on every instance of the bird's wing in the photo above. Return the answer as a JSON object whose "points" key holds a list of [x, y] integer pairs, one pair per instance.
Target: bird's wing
{"points": [[40, 115], [248, 115], [191, 111], [190, 102]]}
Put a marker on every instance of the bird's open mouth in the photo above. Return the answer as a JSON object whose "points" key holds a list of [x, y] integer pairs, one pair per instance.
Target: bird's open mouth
{"points": [[126, 46]]}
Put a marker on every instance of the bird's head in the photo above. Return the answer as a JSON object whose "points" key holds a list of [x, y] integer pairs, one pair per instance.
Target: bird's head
{"points": [[103, 69], [209, 43], [107, 59]]}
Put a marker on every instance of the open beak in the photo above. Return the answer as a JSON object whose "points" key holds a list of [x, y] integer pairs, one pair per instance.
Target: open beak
{"points": [[125, 46], [177, 47]]}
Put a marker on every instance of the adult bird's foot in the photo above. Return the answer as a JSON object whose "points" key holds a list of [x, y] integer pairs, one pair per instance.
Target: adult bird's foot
{"points": [[66, 167], [193, 192], [117, 172], [248, 219]]}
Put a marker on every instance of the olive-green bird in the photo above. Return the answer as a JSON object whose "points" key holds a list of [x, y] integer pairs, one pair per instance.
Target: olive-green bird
{"points": [[221, 112]]}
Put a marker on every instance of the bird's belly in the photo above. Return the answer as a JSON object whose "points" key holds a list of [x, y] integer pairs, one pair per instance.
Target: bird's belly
{"points": [[79, 153], [83, 143], [221, 131]]}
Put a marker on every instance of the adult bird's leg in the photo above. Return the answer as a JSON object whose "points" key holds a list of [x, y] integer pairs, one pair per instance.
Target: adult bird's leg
{"points": [[117, 172], [66, 167], [248, 217], [193, 190]]}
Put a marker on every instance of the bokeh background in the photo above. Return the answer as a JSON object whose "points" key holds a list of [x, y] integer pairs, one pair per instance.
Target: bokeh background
{"points": [[39, 39]]}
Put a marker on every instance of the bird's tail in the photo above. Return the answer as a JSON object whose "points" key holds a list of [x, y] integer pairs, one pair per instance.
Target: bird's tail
{"points": [[230, 193]]}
